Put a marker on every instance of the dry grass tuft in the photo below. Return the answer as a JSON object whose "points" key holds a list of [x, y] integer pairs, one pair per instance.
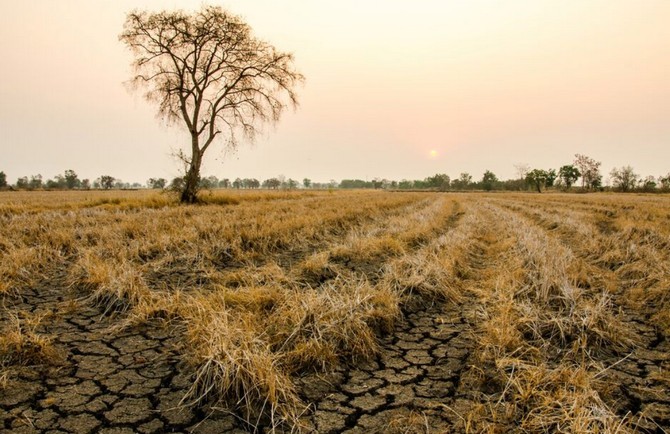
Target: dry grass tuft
{"points": [[5, 374], [315, 328], [411, 422], [114, 285], [245, 343], [364, 249], [268, 274], [236, 366], [316, 270], [561, 399], [219, 199], [23, 266], [21, 344], [541, 337], [423, 275]]}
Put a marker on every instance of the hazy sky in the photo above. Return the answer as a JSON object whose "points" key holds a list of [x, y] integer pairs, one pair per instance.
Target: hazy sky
{"points": [[481, 84]]}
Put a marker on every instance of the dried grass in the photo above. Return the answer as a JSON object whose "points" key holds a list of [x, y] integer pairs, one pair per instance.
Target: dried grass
{"points": [[265, 285], [21, 344], [541, 337]]}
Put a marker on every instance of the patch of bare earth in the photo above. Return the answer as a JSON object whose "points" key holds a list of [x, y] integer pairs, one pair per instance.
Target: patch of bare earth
{"points": [[406, 387], [103, 381]]}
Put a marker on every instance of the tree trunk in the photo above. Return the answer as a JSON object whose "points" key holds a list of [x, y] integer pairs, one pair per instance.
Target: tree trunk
{"points": [[192, 179], [539, 187], [190, 192]]}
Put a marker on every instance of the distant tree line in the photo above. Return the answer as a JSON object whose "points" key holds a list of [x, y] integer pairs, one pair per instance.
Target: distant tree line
{"points": [[68, 180], [586, 169]]}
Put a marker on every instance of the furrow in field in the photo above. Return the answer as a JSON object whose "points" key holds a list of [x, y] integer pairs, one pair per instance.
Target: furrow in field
{"points": [[611, 345], [283, 329], [635, 261], [632, 261], [419, 365]]}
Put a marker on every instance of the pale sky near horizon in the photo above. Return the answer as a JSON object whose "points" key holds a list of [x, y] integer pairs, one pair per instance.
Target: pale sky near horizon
{"points": [[394, 89]]}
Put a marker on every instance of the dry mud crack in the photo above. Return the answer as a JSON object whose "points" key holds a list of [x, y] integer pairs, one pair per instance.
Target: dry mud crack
{"points": [[408, 387], [105, 382], [131, 381], [431, 374]]}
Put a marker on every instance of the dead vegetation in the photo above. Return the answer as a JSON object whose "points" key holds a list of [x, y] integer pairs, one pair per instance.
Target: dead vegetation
{"points": [[267, 286], [22, 344], [559, 319]]}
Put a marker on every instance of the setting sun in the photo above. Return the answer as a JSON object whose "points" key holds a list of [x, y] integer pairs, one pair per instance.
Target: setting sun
{"points": [[433, 153]]}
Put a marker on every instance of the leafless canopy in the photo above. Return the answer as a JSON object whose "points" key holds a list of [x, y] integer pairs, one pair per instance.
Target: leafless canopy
{"points": [[208, 70]]}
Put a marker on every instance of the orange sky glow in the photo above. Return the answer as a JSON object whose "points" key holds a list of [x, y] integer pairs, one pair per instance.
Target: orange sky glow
{"points": [[394, 89]]}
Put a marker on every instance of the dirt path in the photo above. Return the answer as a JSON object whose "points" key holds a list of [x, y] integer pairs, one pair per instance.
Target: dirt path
{"points": [[106, 382]]}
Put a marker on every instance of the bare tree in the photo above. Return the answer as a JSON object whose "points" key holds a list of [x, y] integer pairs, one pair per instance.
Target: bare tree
{"points": [[522, 170], [624, 178], [590, 170], [207, 71]]}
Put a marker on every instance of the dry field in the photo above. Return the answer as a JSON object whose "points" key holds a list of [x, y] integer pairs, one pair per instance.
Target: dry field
{"points": [[334, 311]]}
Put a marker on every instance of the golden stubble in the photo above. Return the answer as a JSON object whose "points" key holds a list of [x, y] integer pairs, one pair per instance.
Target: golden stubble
{"points": [[264, 286]]}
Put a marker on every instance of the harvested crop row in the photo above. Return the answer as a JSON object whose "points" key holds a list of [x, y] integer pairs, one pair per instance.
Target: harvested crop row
{"points": [[543, 336], [249, 339], [630, 262], [274, 286], [629, 253], [174, 239]]}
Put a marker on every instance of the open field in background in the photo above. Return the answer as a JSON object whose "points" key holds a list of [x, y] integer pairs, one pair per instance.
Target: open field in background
{"points": [[333, 311]]}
